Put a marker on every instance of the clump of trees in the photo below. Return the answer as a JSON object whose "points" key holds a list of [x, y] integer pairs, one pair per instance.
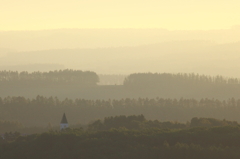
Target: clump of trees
{"points": [[57, 77], [139, 122], [210, 122], [132, 122]]}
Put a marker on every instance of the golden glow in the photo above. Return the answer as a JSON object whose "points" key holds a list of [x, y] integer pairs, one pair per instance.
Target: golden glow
{"points": [[169, 14]]}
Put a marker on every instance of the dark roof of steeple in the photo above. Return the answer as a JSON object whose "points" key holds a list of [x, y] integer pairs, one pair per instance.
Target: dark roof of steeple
{"points": [[64, 119]]}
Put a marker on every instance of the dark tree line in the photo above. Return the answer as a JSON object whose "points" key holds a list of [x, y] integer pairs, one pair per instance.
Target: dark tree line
{"points": [[139, 122], [198, 143], [210, 122], [67, 76], [69, 83], [132, 122], [41, 110], [182, 85], [150, 79]]}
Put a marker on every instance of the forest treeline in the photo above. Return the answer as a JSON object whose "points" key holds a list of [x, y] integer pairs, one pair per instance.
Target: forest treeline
{"points": [[139, 122], [158, 79], [59, 77], [182, 85], [132, 122], [198, 143], [136, 79], [65, 84], [41, 110]]}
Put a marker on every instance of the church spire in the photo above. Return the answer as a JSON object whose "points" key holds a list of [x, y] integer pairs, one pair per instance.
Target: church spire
{"points": [[64, 122], [64, 119]]}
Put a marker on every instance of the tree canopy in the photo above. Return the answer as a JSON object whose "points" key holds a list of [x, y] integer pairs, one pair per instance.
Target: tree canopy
{"points": [[59, 77], [42, 110], [210, 143]]}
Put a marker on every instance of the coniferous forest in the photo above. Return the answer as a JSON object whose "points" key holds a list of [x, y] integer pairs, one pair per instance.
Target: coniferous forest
{"points": [[146, 115], [87, 85], [219, 142]]}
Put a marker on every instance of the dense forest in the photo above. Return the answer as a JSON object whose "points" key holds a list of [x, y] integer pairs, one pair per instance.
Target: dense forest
{"points": [[132, 122], [70, 83], [41, 110], [156, 79], [61, 77], [172, 123], [139, 122], [182, 85], [136, 79], [198, 143]]}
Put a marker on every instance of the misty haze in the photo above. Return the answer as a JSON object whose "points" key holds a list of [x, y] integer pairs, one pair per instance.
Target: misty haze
{"points": [[123, 51], [120, 79]]}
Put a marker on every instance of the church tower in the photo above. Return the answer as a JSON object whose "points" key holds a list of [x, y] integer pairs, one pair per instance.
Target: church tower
{"points": [[64, 123]]}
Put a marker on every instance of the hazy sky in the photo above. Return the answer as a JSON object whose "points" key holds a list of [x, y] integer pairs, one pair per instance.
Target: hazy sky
{"points": [[169, 14]]}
